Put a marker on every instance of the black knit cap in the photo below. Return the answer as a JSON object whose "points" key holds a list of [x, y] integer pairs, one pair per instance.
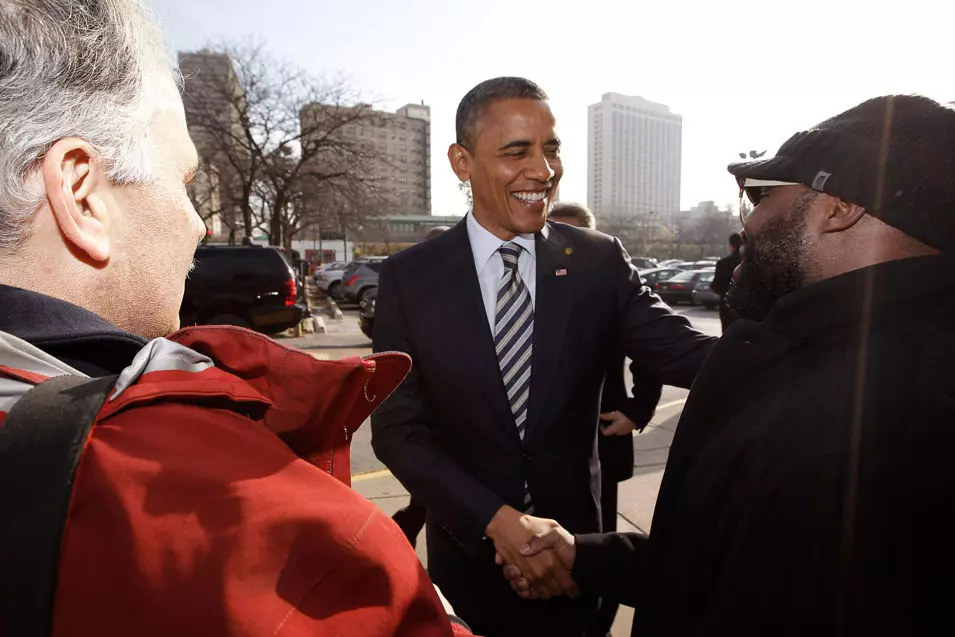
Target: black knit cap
{"points": [[893, 155]]}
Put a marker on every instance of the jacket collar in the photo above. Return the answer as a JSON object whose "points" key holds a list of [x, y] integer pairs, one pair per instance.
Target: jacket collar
{"points": [[907, 286], [313, 406], [66, 331]]}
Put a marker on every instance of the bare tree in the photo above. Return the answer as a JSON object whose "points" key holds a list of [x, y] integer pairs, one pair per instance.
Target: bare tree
{"points": [[465, 188], [277, 137]]}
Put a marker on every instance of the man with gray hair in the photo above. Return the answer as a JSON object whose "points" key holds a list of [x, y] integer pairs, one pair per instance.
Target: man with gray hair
{"points": [[159, 482]]}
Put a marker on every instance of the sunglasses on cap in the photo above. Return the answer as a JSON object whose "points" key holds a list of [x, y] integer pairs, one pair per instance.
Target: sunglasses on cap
{"points": [[755, 189]]}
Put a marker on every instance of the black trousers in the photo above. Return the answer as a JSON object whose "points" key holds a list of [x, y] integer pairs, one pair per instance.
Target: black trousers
{"points": [[411, 520], [607, 611]]}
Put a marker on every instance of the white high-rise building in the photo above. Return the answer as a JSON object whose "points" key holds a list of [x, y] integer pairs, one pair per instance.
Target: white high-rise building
{"points": [[634, 154]]}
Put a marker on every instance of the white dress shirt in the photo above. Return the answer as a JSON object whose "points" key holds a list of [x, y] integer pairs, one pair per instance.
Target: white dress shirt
{"points": [[490, 265]]}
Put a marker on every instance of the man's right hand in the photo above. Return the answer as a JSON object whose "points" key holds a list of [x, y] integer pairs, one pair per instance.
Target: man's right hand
{"points": [[516, 537], [556, 541]]}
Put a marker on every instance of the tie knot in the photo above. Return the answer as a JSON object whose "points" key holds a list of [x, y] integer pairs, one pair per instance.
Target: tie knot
{"points": [[510, 254]]}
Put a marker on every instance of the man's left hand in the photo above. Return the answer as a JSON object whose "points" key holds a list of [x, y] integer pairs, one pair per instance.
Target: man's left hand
{"points": [[619, 425]]}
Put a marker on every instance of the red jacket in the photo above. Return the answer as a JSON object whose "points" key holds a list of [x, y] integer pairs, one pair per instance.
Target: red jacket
{"points": [[213, 498]]}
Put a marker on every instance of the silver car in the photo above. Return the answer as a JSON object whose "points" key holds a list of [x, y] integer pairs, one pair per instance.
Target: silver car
{"points": [[329, 276], [703, 295], [359, 281]]}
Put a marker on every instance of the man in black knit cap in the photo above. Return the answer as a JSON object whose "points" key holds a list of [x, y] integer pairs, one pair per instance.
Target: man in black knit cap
{"points": [[819, 501]]}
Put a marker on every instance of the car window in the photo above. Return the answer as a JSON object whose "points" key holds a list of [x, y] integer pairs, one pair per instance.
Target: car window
{"points": [[683, 276], [706, 277], [212, 265], [374, 266]]}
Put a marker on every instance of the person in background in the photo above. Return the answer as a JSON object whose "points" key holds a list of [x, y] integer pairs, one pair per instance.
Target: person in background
{"points": [[621, 415], [499, 415], [818, 501], [723, 278], [210, 497]]}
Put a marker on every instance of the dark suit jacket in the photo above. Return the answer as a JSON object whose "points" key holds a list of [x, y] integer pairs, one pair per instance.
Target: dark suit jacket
{"points": [[448, 433], [616, 452], [723, 276]]}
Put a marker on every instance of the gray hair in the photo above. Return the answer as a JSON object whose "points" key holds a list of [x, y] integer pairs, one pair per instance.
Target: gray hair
{"points": [[474, 105], [73, 68]]}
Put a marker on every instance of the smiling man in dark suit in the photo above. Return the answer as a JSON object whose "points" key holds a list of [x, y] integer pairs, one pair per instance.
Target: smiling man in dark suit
{"points": [[498, 419]]}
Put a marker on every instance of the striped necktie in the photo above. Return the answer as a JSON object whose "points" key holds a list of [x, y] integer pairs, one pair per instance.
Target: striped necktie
{"points": [[514, 340]]}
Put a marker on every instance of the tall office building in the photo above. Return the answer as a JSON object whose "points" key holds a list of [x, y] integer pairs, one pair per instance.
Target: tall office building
{"points": [[401, 144], [211, 96], [634, 154]]}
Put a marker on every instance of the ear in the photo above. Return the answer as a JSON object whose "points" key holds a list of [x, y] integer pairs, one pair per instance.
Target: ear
{"points": [[460, 159], [836, 215], [73, 176]]}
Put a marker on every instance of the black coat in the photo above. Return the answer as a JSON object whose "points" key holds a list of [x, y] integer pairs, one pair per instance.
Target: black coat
{"points": [[724, 273], [819, 501], [616, 452], [448, 433]]}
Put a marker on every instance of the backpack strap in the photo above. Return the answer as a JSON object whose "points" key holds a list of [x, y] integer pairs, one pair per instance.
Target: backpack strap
{"points": [[41, 442]]}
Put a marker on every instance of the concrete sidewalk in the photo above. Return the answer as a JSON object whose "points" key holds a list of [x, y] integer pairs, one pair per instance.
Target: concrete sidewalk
{"points": [[636, 499]]}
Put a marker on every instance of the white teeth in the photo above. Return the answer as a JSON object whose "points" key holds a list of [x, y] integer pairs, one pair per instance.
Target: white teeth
{"points": [[530, 197]]}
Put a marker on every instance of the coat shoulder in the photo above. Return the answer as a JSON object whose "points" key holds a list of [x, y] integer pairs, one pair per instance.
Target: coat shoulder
{"points": [[582, 238]]}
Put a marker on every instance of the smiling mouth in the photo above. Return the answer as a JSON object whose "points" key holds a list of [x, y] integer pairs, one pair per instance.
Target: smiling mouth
{"points": [[530, 197]]}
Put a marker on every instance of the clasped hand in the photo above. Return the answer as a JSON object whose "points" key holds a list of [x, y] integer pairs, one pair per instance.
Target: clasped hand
{"points": [[537, 555]]}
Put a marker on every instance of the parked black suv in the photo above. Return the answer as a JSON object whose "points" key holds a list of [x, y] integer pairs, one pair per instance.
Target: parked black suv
{"points": [[247, 286], [366, 313]]}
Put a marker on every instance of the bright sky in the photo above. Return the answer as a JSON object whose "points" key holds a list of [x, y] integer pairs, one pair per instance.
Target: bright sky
{"points": [[745, 74]]}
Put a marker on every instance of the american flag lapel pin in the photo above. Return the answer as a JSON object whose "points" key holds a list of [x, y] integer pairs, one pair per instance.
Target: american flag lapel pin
{"points": [[561, 272]]}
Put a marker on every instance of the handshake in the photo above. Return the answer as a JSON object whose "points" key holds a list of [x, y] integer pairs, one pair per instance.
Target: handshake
{"points": [[537, 554]]}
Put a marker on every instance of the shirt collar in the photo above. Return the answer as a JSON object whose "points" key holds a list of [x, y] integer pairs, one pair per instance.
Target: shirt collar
{"points": [[484, 244]]}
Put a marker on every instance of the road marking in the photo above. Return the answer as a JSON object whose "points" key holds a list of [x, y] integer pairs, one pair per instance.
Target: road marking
{"points": [[371, 475]]}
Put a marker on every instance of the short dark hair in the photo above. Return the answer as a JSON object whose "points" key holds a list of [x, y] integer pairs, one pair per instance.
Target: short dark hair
{"points": [[473, 107], [736, 241], [578, 212]]}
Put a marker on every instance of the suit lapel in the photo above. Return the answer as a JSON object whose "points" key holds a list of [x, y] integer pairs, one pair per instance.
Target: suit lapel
{"points": [[466, 314], [554, 298]]}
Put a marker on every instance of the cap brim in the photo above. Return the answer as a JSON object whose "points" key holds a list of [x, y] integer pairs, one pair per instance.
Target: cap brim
{"points": [[769, 170]]}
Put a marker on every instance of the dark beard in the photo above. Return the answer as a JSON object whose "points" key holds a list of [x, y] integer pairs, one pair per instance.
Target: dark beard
{"points": [[773, 267]]}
